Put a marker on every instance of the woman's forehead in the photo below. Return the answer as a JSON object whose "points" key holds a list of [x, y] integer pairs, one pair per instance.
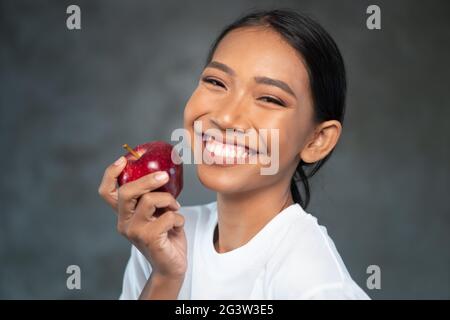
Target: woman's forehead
{"points": [[263, 52]]}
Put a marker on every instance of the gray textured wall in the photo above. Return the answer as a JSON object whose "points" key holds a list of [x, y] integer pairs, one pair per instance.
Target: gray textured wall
{"points": [[69, 99]]}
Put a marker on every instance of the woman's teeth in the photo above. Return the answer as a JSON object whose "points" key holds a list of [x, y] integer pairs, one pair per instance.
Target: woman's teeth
{"points": [[224, 149]]}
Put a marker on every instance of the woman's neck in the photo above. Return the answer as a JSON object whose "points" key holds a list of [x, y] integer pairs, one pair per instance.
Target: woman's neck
{"points": [[241, 216]]}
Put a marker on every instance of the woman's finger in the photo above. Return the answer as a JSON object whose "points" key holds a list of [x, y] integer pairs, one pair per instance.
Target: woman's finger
{"points": [[108, 186], [149, 202], [168, 220], [130, 192]]}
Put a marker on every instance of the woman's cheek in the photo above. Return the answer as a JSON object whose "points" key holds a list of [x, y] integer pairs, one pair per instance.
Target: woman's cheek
{"points": [[198, 105], [287, 150], [188, 116]]}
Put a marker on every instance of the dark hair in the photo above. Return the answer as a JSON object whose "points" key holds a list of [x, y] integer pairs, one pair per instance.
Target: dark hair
{"points": [[326, 73]]}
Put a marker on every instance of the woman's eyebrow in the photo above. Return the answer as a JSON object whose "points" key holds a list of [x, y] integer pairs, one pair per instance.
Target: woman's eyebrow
{"points": [[262, 80], [277, 83], [221, 66]]}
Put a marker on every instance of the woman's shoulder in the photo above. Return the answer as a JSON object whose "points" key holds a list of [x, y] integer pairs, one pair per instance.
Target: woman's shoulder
{"points": [[306, 263]]}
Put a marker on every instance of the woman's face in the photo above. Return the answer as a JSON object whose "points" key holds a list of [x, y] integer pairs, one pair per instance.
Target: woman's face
{"points": [[234, 92]]}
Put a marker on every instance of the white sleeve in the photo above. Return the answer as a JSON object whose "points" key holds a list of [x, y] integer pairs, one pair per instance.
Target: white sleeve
{"points": [[310, 267], [137, 272]]}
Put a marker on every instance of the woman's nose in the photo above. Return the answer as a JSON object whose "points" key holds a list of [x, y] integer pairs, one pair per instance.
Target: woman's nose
{"points": [[232, 115]]}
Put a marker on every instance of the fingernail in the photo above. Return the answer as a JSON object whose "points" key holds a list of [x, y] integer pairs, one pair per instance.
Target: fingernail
{"points": [[161, 176], [119, 161], [179, 205]]}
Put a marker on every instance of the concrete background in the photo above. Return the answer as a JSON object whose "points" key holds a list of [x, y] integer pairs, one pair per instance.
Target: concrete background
{"points": [[69, 99]]}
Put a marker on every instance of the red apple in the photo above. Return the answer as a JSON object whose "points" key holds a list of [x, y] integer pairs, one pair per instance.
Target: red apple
{"points": [[151, 157]]}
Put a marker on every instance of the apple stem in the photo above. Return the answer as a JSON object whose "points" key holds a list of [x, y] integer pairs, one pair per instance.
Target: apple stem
{"points": [[134, 153]]}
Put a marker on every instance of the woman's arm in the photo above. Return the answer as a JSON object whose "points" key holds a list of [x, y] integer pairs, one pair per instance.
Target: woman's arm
{"points": [[160, 287], [160, 239]]}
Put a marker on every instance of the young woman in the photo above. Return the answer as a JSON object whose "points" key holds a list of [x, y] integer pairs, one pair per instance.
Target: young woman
{"points": [[268, 70]]}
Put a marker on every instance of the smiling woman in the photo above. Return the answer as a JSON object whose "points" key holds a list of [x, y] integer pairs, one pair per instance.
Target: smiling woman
{"points": [[269, 70]]}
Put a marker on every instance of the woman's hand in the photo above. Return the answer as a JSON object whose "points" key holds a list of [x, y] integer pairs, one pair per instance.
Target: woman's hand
{"points": [[160, 239]]}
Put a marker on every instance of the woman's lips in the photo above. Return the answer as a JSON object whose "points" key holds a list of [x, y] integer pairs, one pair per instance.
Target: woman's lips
{"points": [[226, 153]]}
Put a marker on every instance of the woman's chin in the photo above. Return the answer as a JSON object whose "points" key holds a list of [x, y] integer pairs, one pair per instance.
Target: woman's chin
{"points": [[223, 179]]}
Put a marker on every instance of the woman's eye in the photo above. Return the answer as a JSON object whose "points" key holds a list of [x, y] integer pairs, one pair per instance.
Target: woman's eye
{"points": [[214, 82], [273, 100]]}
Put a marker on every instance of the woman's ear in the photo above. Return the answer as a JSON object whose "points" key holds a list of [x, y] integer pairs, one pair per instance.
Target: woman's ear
{"points": [[325, 138]]}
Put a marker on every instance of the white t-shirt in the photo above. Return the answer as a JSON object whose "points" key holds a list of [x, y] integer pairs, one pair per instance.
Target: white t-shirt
{"points": [[292, 257]]}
